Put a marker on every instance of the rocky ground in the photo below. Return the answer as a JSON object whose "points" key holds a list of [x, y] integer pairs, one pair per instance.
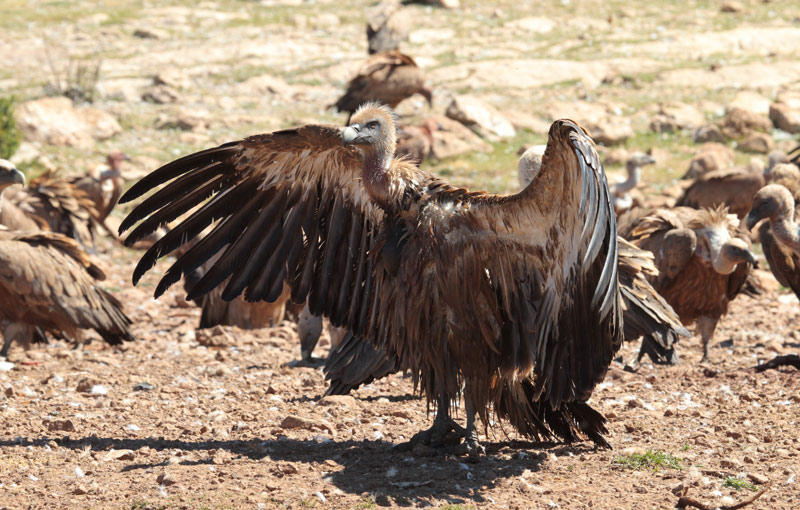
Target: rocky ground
{"points": [[186, 419]]}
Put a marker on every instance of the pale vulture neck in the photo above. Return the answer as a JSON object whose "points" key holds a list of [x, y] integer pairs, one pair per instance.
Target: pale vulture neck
{"points": [[634, 177], [376, 176], [787, 231], [716, 239]]}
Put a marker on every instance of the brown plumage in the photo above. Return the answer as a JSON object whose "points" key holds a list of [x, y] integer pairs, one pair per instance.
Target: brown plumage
{"points": [[388, 77], [703, 260], [779, 234], [55, 200], [238, 311], [387, 25], [47, 285], [733, 189], [105, 188], [415, 142], [510, 302]]}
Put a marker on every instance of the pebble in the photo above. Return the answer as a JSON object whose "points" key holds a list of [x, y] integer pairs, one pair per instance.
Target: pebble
{"points": [[165, 479], [119, 455]]}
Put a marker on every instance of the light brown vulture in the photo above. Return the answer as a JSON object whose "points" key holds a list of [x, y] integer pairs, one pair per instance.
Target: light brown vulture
{"points": [[731, 188], [779, 235], [388, 77], [415, 142], [47, 285], [703, 261], [105, 188], [509, 302], [55, 200], [621, 192], [788, 176]]}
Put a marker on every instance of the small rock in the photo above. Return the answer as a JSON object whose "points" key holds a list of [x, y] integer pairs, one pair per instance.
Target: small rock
{"points": [[734, 434], [731, 6], [758, 478], [161, 94], [750, 101], [6, 366], [759, 143], [9, 392], [119, 455], [150, 33], [710, 157], [610, 130], [295, 422], [708, 133], [55, 121], [86, 384], [143, 386], [165, 479], [423, 450], [62, 425], [785, 117], [452, 138], [172, 78], [132, 427], [98, 390], [221, 457], [480, 117], [729, 463], [676, 116], [80, 490], [214, 337], [739, 123]]}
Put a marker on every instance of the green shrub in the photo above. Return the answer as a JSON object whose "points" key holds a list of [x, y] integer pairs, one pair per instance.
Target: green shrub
{"points": [[9, 133]]}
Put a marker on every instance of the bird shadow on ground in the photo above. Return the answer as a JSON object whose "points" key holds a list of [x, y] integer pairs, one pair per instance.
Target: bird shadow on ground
{"points": [[372, 467]]}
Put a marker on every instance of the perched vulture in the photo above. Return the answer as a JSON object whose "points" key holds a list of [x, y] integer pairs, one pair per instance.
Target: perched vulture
{"points": [[105, 188], [733, 189], [509, 302], [703, 261], [779, 235], [415, 142], [388, 77], [388, 24], [47, 284], [63, 207], [621, 192]]}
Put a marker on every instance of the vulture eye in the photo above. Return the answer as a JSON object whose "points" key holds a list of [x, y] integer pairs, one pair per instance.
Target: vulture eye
{"points": [[372, 125]]}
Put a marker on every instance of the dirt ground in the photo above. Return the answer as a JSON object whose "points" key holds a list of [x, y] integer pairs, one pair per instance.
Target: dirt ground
{"points": [[218, 420], [168, 422]]}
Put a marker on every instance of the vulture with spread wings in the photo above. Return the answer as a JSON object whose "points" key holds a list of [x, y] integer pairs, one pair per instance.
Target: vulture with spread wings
{"points": [[509, 302]]}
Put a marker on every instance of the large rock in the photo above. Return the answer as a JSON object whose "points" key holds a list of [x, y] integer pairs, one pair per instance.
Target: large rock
{"points": [[785, 113], [480, 117], [708, 133], [55, 121], [711, 157], [739, 123], [451, 138], [750, 101], [676, 116], [388, 24], [760, 143], [609, 130]]}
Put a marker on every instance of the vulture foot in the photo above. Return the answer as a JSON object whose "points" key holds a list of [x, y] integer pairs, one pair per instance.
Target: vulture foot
{"points": [[657, 353], [444, 431], [309, 362], [470, 447]]}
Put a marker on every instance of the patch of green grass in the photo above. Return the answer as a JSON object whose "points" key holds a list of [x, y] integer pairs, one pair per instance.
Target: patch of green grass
{"points": [[10, 136], [738, 484], [651, 459], [457, 507], [366, 503], [685, 448]]}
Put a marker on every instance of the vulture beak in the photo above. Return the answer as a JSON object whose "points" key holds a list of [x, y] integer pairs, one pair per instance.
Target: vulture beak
{"points": [[352, 134], [751, 220], [9, 176], [649, 160], [750, 258]]}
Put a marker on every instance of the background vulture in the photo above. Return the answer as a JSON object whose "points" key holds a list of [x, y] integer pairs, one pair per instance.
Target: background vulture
{"points": [[104, 188], [703, 260], [388, 77], [622, 198], [733, 189], [510, 302], [47, 284]]}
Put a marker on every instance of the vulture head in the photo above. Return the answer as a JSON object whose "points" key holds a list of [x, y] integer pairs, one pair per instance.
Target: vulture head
{"points": [[372, 131], [771, 201], [715, 244], [529, 164], [115, 159], [10, 175], [633, 166], [783, 171]]}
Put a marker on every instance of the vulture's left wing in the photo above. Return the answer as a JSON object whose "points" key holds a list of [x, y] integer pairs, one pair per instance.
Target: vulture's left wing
{"points": [[546, 258]]}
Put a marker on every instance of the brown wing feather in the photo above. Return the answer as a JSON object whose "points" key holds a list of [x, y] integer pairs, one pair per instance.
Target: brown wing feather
{"points": [[48, 281], [783, 262]]}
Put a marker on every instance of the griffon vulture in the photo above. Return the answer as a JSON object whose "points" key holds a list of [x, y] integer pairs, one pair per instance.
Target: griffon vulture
{"points": [[509, 302], [63, 207], [703, 261], [415, 143], [731, 188], [388, 77], [105, 188], [622, 198], [387, 25], [47, 284]]}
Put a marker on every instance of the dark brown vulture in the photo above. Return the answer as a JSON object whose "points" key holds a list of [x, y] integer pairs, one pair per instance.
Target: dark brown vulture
{"points": [[389, 78], [703, 261], [779, 235], [56, 201], [731, 188], [47, 285], [105, 188], [509, 302], [388, 24], [416, 142], [788, 176], [621, 192]]}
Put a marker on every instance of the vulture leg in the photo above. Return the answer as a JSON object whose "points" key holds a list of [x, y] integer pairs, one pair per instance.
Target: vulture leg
{"points": [[471, 446], [657, 353], [438, 434], [706, 326], [22, 333], [309, 328]]}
